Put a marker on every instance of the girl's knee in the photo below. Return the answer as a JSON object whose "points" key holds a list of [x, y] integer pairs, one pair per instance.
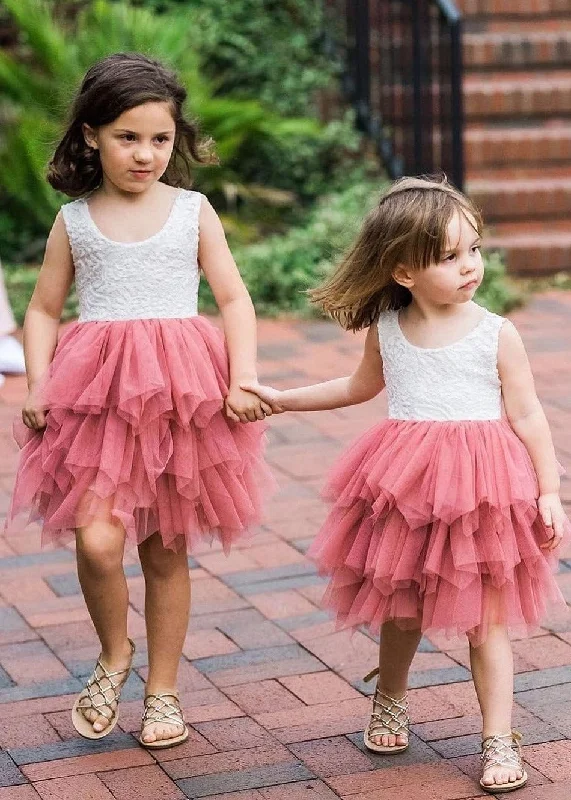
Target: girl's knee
{"points": [[101, 548], [158, 561]]}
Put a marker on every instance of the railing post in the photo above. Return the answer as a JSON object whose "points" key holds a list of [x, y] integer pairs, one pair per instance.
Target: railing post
{"points": [[457, 102], [416, 115], [362, 64]]}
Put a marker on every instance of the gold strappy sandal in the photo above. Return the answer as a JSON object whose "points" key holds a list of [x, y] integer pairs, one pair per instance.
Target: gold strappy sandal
{"points": [[503, 750], [159, 709], [390, 716], [101, 691]]}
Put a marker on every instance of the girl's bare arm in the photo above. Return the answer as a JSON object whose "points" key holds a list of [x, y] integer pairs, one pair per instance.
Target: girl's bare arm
{"points": [[237, 312], [365, 383], [527, 418], [43, 315]]}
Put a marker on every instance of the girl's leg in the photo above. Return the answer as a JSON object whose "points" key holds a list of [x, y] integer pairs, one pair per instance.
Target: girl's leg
{"points": [[492, 670], [396, 651], [167, 607], [99, 551]]}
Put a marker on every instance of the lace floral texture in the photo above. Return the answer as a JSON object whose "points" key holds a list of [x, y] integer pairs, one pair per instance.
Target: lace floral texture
{"points": [[156, 278], [456, 382]]}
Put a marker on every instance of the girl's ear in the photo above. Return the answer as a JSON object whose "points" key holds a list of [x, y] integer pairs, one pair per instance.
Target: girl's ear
{"points": [[403, 276], [90, 136]]}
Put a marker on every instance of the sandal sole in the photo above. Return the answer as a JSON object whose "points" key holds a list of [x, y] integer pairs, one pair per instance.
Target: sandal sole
{"points": [[85, 728], [502, 788], [162, 744]]}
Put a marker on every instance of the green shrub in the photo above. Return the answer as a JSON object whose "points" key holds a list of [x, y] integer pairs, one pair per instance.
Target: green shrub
{"points": [[271, 50], [20, 282], [497, 293]]}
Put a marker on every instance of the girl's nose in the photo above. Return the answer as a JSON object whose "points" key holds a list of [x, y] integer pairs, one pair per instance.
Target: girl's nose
{"points": [[143, 156]]}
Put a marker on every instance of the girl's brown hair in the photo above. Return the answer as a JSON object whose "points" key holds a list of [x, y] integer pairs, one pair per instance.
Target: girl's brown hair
{"points": [[407, 227], [112, 86]]}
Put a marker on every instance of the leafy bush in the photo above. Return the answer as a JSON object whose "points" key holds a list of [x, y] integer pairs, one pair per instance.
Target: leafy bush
{"points": [[271, 50], [20, 282], [496, 292]]}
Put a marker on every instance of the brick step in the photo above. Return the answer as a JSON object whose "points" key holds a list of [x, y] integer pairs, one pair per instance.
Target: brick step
{"points": [[534, 49], [489, 147], [513, 8], [532, 248], [520, 94], [535, 24], [522, 198], [525, 172]]}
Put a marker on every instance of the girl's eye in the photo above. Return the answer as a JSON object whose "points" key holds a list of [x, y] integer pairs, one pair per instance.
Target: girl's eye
{"points": [[128, 137], [476, 248], [162, 139], [451, 257]]}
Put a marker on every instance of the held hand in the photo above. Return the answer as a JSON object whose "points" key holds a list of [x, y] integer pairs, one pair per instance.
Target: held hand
{"points": [[245, 406], [267, 394], [553, 516], [33, 412]]}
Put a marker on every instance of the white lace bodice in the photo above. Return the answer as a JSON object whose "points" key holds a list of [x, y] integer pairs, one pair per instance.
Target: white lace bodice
{"points": [[155, 278], [457, 382]]}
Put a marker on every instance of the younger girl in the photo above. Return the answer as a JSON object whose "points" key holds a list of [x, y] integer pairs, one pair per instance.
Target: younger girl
{"points": [[134, 417], [444, 513]]}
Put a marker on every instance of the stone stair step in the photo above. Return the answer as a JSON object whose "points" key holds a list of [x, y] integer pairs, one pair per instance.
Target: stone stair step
{"points": [[524, 49], [505, 198], [532, 247], [516, 146], [518, 94], [513, 8]]}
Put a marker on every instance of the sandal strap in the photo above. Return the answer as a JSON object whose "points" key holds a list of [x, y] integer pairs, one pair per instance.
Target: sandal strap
{"points": [[110, 693], [389, 714], [164, 711], [502, 750]]}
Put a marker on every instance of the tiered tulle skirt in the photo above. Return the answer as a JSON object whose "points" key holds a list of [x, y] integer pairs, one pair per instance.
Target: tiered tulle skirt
{"points": [[435, 525], [136, 434]]}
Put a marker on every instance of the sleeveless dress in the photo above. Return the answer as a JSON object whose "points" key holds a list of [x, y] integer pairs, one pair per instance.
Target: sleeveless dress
{"points": [[434, 523], [135, 423]]}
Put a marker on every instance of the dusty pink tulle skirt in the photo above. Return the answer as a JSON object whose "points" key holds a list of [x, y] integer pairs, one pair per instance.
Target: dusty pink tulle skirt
{"points": [[434, 525], [136, 433]]}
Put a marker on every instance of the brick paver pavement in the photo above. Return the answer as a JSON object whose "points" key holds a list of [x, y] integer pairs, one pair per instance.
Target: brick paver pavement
{"points": [[272, 693]]}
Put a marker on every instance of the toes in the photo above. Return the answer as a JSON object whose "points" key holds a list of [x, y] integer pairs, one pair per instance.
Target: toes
{"points": [[381, 740], [160, 732], [100, 723], [501, 777], [90, 714]]}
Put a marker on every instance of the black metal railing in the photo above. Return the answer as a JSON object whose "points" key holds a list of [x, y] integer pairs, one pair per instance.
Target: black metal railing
{"points": [[404, 79]]}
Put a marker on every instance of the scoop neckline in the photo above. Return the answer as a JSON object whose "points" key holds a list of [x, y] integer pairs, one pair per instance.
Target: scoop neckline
{"points": [[139, 241], [444, 346]]}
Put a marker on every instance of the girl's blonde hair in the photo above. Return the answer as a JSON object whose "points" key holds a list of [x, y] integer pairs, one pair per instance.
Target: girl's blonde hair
{"points": [[408, 227]]}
